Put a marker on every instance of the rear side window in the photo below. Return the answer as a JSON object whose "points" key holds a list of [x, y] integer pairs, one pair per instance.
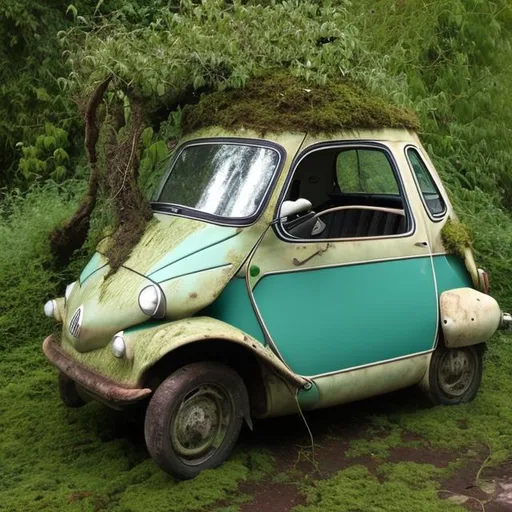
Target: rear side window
{"points": [[365, 171], [431, 195]]}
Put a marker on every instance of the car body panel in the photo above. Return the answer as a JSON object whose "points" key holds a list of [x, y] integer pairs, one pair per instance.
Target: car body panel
{"points": [[351, 315]]}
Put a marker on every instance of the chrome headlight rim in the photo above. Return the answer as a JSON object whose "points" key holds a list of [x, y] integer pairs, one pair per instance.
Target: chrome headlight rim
{"points": [[152, 301]]}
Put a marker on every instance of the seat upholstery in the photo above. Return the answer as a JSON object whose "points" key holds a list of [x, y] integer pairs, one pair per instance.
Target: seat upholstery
{"points": [[357, 222]]}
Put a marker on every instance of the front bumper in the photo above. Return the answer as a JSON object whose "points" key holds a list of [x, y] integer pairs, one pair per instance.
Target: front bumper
{"points": [[100, 387]]}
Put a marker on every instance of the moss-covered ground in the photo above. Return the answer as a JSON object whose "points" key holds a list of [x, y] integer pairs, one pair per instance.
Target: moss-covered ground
{"points": [[94, 459]]}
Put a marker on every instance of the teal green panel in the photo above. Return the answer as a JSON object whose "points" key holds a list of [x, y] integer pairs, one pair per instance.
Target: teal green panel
{"points": [[205, 248], [330, 319], [451, 273], [94, 264], [234, 307]]}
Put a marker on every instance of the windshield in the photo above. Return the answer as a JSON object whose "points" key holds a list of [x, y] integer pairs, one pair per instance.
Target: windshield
{"points": [[223, 179]]}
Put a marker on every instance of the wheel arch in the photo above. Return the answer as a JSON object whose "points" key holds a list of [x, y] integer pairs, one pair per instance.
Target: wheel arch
{"points": [[170, 346], [250, 368]]}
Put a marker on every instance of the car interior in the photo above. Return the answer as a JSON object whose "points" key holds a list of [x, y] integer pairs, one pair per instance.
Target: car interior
{"points": [[353, 192]]}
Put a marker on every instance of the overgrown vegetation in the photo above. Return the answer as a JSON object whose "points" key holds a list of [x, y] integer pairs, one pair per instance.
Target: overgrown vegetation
{"points": [[450, 61], [278, 101]]}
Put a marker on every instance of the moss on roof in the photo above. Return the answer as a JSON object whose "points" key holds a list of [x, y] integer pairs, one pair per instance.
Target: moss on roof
{"points": [[281, 102]]}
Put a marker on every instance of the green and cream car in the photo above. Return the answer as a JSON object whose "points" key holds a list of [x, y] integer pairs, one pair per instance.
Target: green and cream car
{"points": [[279, 272]]}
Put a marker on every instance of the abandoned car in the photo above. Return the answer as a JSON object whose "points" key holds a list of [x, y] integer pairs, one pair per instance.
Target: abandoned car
{"points": [[284, 271]]}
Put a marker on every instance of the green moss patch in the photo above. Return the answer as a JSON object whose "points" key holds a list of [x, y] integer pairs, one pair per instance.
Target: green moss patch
{"points": [[281, 102], [455, 237], [397, 487]]}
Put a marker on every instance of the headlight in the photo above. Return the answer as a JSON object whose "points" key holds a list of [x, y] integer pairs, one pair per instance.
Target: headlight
{"points": [[50, 308], [118, 345], [152, 301], [69, 289]]}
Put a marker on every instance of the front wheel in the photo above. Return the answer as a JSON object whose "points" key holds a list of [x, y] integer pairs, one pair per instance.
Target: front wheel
{"points": [[455, 374], [194, 418]]}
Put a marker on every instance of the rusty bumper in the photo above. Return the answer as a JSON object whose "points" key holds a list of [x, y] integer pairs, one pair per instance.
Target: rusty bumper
{"points": [[102, 388]]}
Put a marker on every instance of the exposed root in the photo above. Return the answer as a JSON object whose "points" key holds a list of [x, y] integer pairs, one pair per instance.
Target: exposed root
{"points": [[64, 241], [131, 206]]}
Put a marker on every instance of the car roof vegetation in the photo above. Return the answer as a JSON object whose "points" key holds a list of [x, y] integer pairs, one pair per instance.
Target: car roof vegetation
{"points": [[281, 102]]}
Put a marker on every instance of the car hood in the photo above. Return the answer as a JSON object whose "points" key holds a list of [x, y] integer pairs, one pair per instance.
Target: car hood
{"points": [[191, 260]]}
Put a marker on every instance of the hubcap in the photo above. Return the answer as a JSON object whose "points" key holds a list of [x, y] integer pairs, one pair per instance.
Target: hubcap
{"points": [[456, 372], [200, 424]]}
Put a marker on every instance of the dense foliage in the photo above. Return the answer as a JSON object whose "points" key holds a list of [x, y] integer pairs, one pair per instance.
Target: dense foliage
{"points": [[448, 60]]}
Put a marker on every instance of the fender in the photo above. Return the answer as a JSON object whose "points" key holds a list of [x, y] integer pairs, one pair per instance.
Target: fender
{"points": [[146, 346], [468, 317]]}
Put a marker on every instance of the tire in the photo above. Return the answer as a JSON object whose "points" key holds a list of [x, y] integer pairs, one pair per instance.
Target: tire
{"points": [[455, 374], [69, 393], [194, 418]]}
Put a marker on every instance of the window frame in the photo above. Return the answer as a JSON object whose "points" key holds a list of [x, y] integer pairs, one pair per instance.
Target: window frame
{"points": [[193, 213], [356, 144], [433, 217]]}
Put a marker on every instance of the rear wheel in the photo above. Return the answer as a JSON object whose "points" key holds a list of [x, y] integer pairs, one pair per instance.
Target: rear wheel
{"points": [[455, 374], [194, 418], [69, 392]]}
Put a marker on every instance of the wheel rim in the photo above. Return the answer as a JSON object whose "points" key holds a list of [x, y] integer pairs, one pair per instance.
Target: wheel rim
{"points": [[200, 425], [457, 369]]}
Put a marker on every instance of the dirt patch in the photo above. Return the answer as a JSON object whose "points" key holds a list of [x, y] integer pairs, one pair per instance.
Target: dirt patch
{"points": [[271, 496]]}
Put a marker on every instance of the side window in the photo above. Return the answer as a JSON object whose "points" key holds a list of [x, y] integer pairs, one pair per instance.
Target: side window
{"points": [[431, 195], [353, 191], [365, 171]]}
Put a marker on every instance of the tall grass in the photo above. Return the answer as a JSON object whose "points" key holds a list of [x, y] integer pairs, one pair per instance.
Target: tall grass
{"points": [[27, 275]]}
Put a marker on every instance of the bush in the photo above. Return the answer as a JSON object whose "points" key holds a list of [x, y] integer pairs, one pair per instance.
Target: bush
{"points": [[27, 276]]}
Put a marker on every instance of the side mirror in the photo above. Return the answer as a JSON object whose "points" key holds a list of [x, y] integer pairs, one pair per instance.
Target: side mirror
{"points": [[293, 207]]}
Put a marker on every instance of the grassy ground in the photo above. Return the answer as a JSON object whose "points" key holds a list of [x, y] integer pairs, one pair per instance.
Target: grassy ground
{"points": [[92, 459]]}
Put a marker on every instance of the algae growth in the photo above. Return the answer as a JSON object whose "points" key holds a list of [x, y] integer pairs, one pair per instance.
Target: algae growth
{"points": [[281, 102]]}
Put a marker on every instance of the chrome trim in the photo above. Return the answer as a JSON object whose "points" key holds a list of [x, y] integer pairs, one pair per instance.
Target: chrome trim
{"points": [[436, 292], [161, 305], [386, 361], [75, 324], [281, 233], [266, 332], [346, 264], [433, 218]]}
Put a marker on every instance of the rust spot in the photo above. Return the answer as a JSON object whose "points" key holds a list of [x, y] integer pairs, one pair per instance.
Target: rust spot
{"points": [[193, 295]]}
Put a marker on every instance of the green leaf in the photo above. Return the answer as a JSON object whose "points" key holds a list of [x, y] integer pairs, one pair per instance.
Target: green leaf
{"points": [[146, 136], [72, 9]]}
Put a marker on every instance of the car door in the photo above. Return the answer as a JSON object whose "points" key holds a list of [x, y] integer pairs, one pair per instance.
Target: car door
{"points": [[359, 289]]}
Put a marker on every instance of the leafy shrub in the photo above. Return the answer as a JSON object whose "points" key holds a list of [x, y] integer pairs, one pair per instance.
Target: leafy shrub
{"points": [[27, 278]]}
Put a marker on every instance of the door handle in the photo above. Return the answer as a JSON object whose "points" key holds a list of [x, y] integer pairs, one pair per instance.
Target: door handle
{"points": [[298, 262], [421, 244]]}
